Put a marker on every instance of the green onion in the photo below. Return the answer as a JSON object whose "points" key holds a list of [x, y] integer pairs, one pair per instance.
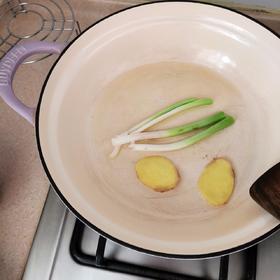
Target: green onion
{"points": [[162, 112], [160, 116], [124, 139], [227, 121]]}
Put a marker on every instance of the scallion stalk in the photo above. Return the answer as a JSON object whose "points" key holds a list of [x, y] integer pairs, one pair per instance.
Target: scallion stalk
{"points": [[171, 112], [162, 115], [222, 124], [179, 130]]}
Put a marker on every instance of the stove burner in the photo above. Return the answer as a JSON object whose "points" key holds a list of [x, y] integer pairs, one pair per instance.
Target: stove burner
{"points": [[51, 20], [99, 261]]}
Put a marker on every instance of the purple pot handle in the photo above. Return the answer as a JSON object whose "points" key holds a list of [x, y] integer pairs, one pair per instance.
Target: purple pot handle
{"points": [[8, 66]]}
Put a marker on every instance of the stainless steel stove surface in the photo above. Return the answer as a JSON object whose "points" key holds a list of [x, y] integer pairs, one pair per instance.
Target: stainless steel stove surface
{"points": [[50, 256]]}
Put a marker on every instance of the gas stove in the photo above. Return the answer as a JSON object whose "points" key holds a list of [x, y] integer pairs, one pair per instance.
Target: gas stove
{"points": [[64, 248]]}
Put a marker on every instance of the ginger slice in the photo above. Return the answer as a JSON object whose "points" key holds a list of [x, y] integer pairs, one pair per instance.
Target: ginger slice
{"points": [[216, 182], [158, 173]]}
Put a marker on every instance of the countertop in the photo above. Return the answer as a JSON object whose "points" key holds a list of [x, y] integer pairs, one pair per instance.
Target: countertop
{"points": [[23, 184]]}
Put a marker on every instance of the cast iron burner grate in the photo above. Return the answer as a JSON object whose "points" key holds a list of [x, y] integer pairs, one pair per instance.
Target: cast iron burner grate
{"points": [[50, 20], [99, 261]]}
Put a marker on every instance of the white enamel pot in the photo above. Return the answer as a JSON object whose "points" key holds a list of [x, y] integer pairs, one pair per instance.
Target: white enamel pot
{"points": [[129, 65]]}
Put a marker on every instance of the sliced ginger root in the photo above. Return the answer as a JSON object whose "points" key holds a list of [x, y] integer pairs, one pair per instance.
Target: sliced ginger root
{"points": [[216, 182], [158, 173]]}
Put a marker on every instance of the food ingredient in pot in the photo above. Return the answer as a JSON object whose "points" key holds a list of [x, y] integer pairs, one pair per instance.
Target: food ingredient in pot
{"points": [[161, 115], [170, 132], [216, 182], [185, 142], [212, 124], [158, 173]]}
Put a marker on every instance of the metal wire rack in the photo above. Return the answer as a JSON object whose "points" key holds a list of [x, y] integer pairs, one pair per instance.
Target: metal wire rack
{"points": [[50, 20]]}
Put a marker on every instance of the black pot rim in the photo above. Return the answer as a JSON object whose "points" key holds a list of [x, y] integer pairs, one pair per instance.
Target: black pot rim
{"points": [[88, 223]]}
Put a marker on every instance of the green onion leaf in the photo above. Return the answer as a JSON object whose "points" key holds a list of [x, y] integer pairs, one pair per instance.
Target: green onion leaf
{"points": [[160, 113], [160, 116], [222, 124], [124, 139], [175, 109]]}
